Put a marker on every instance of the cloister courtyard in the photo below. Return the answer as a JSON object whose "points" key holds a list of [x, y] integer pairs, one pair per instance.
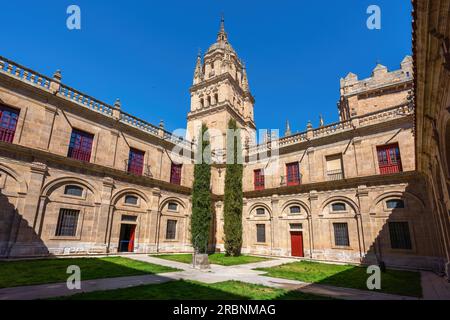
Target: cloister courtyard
{"points": [[172, 277]]}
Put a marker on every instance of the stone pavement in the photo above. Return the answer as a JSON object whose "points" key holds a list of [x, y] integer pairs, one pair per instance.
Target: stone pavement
{"points": [[243, 273], [434, 287]]}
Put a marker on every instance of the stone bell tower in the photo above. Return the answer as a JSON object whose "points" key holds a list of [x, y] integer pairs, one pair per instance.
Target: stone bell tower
{"points": [[220, 91]]}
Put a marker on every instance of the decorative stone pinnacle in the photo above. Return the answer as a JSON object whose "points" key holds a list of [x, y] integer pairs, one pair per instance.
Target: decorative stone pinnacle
{"points": [[118, 104], [309, 126], [57, 76], [161, 124]]}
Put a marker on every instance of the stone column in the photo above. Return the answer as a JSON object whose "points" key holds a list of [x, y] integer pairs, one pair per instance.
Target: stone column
{"points": [[363, 216], [275, 245], [26, 241], [311, 166], [314, 214], [156, 214], [30, 212], [105, 214], [356, 149]]}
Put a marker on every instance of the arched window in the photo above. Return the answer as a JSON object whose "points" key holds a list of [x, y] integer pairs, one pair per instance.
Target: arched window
{"points": [[295, 210], [172, 206], [216, 98], [260, 211], [131, 200], [202, 103], [73, 191], [338, 207], [395, 204], [209, 101]]}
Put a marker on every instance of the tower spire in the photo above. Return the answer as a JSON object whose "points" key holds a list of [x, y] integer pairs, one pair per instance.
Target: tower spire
{"points": [[288, 131], [222, 35], [198, 73]]}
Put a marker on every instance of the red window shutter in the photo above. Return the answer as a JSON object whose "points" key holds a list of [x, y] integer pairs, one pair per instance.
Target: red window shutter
{"points": [[389, 160], [259, 182], [80, 146], [292, 174], [175, 174], [136, 162], [8, 123]]}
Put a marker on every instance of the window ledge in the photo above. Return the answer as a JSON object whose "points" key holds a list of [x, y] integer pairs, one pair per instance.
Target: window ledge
{"points": [[342, 248], [75, 238]]}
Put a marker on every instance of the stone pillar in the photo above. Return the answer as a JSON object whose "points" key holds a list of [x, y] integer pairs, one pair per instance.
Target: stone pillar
{"points": [[154, 207], [311, 167], [309, 131], [37, 177], [363, 215], [105, 215], [46, 129], [315, 214], [117, 109], [246, 242], [55, 84], [356, 149], [27, 241], [275, 245]]}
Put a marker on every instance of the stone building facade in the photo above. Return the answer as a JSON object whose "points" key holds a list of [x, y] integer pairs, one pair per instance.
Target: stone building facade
{"points": [[79, 176], [432, 97]]}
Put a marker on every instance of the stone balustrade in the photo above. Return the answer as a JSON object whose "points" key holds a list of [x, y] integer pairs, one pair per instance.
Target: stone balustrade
{"points": [[17, 71], [85, 100]]}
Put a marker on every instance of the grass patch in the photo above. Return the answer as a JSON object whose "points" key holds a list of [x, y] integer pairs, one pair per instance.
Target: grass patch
{"points": [[215, 258], [190, 290], [405, 283], [32, 272]]}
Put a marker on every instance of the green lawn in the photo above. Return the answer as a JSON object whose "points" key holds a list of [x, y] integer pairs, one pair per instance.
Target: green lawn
{"points": [[190, 290], [30, 272], [216, 258], [392, 281]]}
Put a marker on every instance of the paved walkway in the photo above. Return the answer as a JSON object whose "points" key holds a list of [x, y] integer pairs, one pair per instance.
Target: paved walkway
{"points": [[243, 273], [434, 287]]}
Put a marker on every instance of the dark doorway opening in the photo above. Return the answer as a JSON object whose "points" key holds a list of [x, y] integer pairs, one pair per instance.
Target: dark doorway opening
{"points": [[126, 239]]}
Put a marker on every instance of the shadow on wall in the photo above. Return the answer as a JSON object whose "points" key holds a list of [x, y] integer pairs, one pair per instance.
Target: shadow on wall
{"points": [[407, 238], [17, 237]]}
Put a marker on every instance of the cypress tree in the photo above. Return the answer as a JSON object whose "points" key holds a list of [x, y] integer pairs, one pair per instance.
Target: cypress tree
{"points": [[233, 199], [201, 195]]}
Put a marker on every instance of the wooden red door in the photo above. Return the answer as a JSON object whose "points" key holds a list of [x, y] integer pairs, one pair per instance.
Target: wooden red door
{"points": [[297, 244], [132, 235]]}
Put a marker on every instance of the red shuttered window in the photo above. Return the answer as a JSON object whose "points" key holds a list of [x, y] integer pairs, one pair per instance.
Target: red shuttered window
{"points": [[80, 146], [136, 162], [8, 123], [293, 174], [175, 174], [259, 179], [389, 159]]}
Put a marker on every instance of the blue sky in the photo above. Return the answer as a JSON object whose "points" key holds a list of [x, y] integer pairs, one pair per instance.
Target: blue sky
{"points": [[144, 52]]}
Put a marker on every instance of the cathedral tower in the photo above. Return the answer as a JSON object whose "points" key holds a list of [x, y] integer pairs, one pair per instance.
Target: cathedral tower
{"points": [[220, 92]]}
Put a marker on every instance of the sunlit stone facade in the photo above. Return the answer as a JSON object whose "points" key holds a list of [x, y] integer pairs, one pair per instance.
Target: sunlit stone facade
{"points": [[79, 176]]}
